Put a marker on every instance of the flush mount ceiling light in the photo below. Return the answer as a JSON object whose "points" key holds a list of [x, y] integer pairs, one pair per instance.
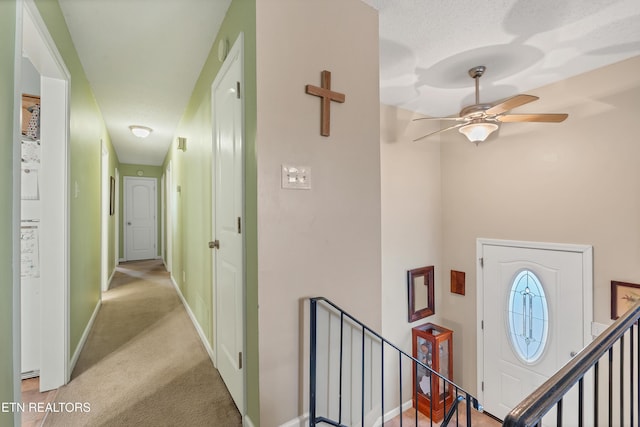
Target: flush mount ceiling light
{"points": [[140, 131]]}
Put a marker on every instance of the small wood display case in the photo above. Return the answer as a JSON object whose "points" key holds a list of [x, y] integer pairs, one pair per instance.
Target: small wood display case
{"points": [[433, 346]]}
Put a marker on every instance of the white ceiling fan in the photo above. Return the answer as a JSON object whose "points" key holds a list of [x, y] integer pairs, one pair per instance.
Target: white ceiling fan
{"points": [[478, 121]]}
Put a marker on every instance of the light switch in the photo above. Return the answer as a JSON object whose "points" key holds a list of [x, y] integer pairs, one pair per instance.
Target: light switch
{"points": [[296, 177]]}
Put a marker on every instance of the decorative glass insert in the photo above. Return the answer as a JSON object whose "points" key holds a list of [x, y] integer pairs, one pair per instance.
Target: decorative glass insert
{"points": [[528, 317]]}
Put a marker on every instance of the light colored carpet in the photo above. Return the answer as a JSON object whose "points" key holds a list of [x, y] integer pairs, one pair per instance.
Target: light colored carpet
{"points": [[143, 363]]}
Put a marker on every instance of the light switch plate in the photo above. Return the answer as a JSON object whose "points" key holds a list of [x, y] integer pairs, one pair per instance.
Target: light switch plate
{"points": [[296, 177]]}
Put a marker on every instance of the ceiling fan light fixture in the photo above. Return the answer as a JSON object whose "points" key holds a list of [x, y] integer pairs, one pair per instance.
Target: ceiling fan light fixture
{"points": [[140, 131], [478, 131]]}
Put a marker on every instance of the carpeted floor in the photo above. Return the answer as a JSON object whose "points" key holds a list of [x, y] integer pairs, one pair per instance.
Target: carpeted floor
{"points": [[143, 363]]}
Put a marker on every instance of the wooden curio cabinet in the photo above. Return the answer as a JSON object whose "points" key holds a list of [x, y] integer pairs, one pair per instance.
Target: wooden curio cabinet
{"points": [[433, 346]]}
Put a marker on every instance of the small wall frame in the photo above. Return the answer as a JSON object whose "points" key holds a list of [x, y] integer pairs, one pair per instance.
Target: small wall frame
{"points": [[624, 296], [420, 287]]}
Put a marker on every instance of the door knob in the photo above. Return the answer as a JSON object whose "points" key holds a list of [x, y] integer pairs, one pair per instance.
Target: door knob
{"points": [[129, 223], [214, 245]]}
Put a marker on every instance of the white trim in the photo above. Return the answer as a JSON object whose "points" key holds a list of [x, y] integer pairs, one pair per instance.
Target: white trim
{"points": [[587, 280], [55, 85], [16, 325], [85, 335], [301, 421], [196, 325], [246, 421]]}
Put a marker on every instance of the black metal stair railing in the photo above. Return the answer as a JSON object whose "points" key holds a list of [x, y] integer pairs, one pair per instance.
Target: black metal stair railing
{"points": [[353, 370], [562, 400]]}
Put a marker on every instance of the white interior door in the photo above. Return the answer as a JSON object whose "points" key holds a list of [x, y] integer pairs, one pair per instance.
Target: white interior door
{"points": [[228, 219], [533, 310], [140, 218]]}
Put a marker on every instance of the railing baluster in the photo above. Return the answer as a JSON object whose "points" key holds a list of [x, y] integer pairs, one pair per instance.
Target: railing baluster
{"points": [[382, 380], [400, 377], [559, 414], [580, 402], [340, 374], [312, 365], [611, 387], [631, 378], [362, 402], [596, 392]]}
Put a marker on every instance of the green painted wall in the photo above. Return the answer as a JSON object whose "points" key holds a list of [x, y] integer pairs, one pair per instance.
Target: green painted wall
{"points": [[87, 129], [192, 172], [7, 58], [126, 169]]}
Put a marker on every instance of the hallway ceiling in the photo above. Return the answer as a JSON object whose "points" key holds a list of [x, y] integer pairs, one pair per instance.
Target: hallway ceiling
{"points": [[143, 57]]}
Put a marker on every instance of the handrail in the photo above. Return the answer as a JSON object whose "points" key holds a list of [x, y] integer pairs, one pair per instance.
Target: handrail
{"points": [[530, 411], [470, 399]]}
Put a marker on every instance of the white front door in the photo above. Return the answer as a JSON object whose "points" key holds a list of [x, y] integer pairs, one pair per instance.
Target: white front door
{"points": [[140, 218], [228, 226], [536, 311]]}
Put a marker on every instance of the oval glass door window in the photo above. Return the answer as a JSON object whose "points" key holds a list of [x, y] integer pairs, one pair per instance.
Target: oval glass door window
{"points": [[528, 317]]}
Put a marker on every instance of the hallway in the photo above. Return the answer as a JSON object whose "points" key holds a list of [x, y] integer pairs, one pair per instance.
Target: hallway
{"points": [[143, 363]]}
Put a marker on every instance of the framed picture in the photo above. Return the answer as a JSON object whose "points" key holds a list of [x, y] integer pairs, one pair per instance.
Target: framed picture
{"points": [[623, 297], [112, 196], [421, 293]]}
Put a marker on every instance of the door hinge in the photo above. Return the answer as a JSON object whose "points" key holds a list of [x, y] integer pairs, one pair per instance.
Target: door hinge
{"points": [[482, 385], [239, 225], [482, 325], [238, 90], [239, 360], [481, 262], [214, 245]]}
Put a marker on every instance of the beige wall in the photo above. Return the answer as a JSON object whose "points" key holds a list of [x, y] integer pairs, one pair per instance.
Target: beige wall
{"points": [[324, 241], [411, 228], [574, 182]]}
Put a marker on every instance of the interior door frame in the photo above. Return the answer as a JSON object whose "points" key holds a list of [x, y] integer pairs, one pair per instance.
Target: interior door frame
{"points": [[54, 232], [587, 275], [237, 50]]}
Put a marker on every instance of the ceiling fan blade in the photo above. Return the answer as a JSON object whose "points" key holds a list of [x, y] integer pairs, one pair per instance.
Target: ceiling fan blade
{"points": [[441, 130], [510, 103], [457, 119], [552, 118]]}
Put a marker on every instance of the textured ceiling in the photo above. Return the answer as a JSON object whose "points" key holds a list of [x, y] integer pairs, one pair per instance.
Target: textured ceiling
{"points": [[142, 57], [427, 46]]}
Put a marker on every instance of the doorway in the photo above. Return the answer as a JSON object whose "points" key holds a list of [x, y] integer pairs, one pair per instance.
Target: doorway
{"points": [[535, 312], [37, 45], [140, 208], [228, 216]]}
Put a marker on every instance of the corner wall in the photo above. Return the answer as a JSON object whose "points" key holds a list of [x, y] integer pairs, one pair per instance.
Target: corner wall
{"points": [[324, 241]]}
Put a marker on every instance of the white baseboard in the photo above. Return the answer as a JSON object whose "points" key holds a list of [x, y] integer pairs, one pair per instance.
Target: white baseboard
{"points": [[83, 339], [301, 421], [192, 316]]}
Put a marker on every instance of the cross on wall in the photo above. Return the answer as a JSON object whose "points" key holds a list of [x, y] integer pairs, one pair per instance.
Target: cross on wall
{"points": [[326, 95]]}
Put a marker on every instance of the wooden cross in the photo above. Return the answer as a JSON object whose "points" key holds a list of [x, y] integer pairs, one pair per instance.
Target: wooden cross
{"points": [[327, 96]]}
